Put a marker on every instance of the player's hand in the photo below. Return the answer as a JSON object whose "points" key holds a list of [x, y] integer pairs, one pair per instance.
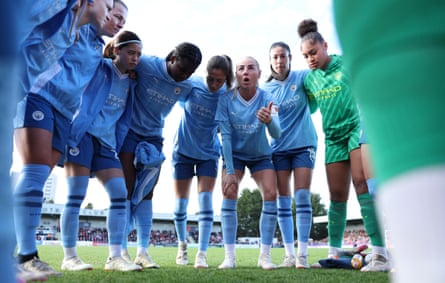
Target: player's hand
{"points": [[265, 113], [230, 186]]}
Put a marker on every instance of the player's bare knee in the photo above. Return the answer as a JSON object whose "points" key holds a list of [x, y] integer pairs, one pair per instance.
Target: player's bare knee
{"points": [[360, 186]]}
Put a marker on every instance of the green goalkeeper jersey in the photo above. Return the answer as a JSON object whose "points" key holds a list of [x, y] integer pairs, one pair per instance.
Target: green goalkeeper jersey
{"points": [[330, 89], [398, 64]]}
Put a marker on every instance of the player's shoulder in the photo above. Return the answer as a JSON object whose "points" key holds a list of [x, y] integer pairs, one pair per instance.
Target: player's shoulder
{"points": [[228, 93]]}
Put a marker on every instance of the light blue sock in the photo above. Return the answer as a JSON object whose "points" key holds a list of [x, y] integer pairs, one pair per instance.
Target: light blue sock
{"points": [[229, 220], [129, 224], [69, 222], [205, 219], [143, 215], [28, 198], [304, 214], [117, 213], [372, 186], [181, 217], [268, 222], [285, 220]]}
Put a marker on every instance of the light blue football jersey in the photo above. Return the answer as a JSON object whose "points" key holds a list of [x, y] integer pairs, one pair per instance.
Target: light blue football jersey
{"points": [[156, 94], [248, 135], [63, 83], [197, 135], [295, 118], [42, 13], [104, 126], [44, 45]]}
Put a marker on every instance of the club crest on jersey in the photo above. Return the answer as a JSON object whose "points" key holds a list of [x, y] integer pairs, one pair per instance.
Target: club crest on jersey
{"points": [[274, 109], [74, 151], [177, 90], [338, 76], [293, 87], [38, 115]]}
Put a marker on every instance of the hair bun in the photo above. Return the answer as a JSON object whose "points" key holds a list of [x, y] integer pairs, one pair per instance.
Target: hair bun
{"points": [[307, 26]]}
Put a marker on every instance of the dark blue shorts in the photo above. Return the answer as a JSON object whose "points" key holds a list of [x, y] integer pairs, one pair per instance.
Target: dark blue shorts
{"points": [[253, 166], [295, 158], [36, 112], [185, 167], [132, 140], [92, 154]]}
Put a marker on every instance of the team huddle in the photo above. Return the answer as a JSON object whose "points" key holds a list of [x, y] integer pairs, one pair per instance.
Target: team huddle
{"points": [[99, 110]]}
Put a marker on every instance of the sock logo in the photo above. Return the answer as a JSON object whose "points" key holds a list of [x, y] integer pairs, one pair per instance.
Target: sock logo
{"points": [[38, 115]]}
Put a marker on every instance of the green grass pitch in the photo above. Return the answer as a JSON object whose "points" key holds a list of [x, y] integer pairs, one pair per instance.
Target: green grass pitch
{"points": [[246, 270]]}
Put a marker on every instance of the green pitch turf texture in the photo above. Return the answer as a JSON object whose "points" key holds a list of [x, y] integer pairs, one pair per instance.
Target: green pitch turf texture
{"points": [[246, 270]]}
